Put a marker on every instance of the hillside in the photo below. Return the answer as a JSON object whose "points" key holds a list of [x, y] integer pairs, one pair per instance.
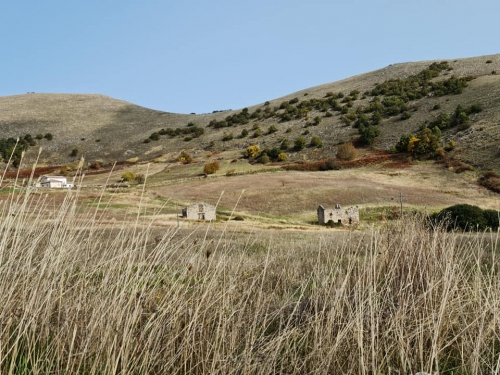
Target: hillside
{"points": [[106, 130]]}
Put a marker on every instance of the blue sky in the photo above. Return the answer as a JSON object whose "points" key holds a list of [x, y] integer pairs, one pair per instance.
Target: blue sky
{"points": [[199, 56]]}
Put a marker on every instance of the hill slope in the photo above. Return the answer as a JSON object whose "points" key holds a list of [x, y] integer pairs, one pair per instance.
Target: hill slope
{"points": [[106, 130]]}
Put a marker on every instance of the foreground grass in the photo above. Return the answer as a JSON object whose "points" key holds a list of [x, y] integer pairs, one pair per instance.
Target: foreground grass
{"points": [[83, 297]]}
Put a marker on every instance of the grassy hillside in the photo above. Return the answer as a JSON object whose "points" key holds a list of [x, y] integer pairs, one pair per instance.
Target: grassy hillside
{"points": [[106, 130]]}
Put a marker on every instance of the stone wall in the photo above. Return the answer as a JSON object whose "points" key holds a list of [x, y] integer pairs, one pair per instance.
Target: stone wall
{"points": [[199, 211], [344, 216]]}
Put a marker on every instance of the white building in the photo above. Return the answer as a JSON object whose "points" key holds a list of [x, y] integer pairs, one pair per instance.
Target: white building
{"points": [[55, 182]]}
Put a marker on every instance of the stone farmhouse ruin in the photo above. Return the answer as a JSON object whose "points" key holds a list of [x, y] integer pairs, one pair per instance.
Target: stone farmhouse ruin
{"points": [[339, 215], [199, 211]]}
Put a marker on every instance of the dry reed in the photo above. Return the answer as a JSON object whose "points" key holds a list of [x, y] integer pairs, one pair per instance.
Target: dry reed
{"points": [[81, 296]]}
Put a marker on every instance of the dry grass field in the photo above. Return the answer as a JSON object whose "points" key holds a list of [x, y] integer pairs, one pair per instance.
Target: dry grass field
{"points": [[272, 196], [83, 294]]}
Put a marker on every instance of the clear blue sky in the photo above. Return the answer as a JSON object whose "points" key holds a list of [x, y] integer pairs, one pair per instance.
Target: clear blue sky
{"points": [[199, 56]]}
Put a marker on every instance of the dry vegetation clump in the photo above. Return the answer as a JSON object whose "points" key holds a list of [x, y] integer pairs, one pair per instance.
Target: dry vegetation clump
{"points": [[347, 152], [81, 297], [491, 181], [313, 166]]}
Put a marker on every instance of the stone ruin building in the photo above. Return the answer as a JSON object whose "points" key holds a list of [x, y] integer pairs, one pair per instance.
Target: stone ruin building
{"points": [[199, 211], [339, 215]]}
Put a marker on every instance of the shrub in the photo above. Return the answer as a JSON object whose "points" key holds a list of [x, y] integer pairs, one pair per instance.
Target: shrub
{"points": [[155, 136], [272, 129], [299, 144], [289, 130], [347, 152], [491, 181], [39, 136], [185, 158], [264, 159], [450, 146], [251, 151], [140, 178], [316, 142], [285, 144], [227, 137], [282, 156], [244, 133], [129, 176], [463, 216], [74, 153], [368, 134], [405, 115], [211, 168], [48, 136], [492, 218], [257, 133]]}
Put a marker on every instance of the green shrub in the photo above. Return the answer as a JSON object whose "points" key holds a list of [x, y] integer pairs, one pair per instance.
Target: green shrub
{"points": [[74, 153], [316, 142], [155, 136], [272, 129], [492, 218], [244, 133], [368, 134], [48, 136], [299, 144], [463, 216], [405, 115], [285, 144], [257, 133], [129, 176], [264, 159]]}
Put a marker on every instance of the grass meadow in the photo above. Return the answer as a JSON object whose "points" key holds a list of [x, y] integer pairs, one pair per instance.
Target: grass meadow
{"points": [[85, 296]]}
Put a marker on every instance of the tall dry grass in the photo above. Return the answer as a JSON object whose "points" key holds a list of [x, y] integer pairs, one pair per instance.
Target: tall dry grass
{"points": [[81, 296]]}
